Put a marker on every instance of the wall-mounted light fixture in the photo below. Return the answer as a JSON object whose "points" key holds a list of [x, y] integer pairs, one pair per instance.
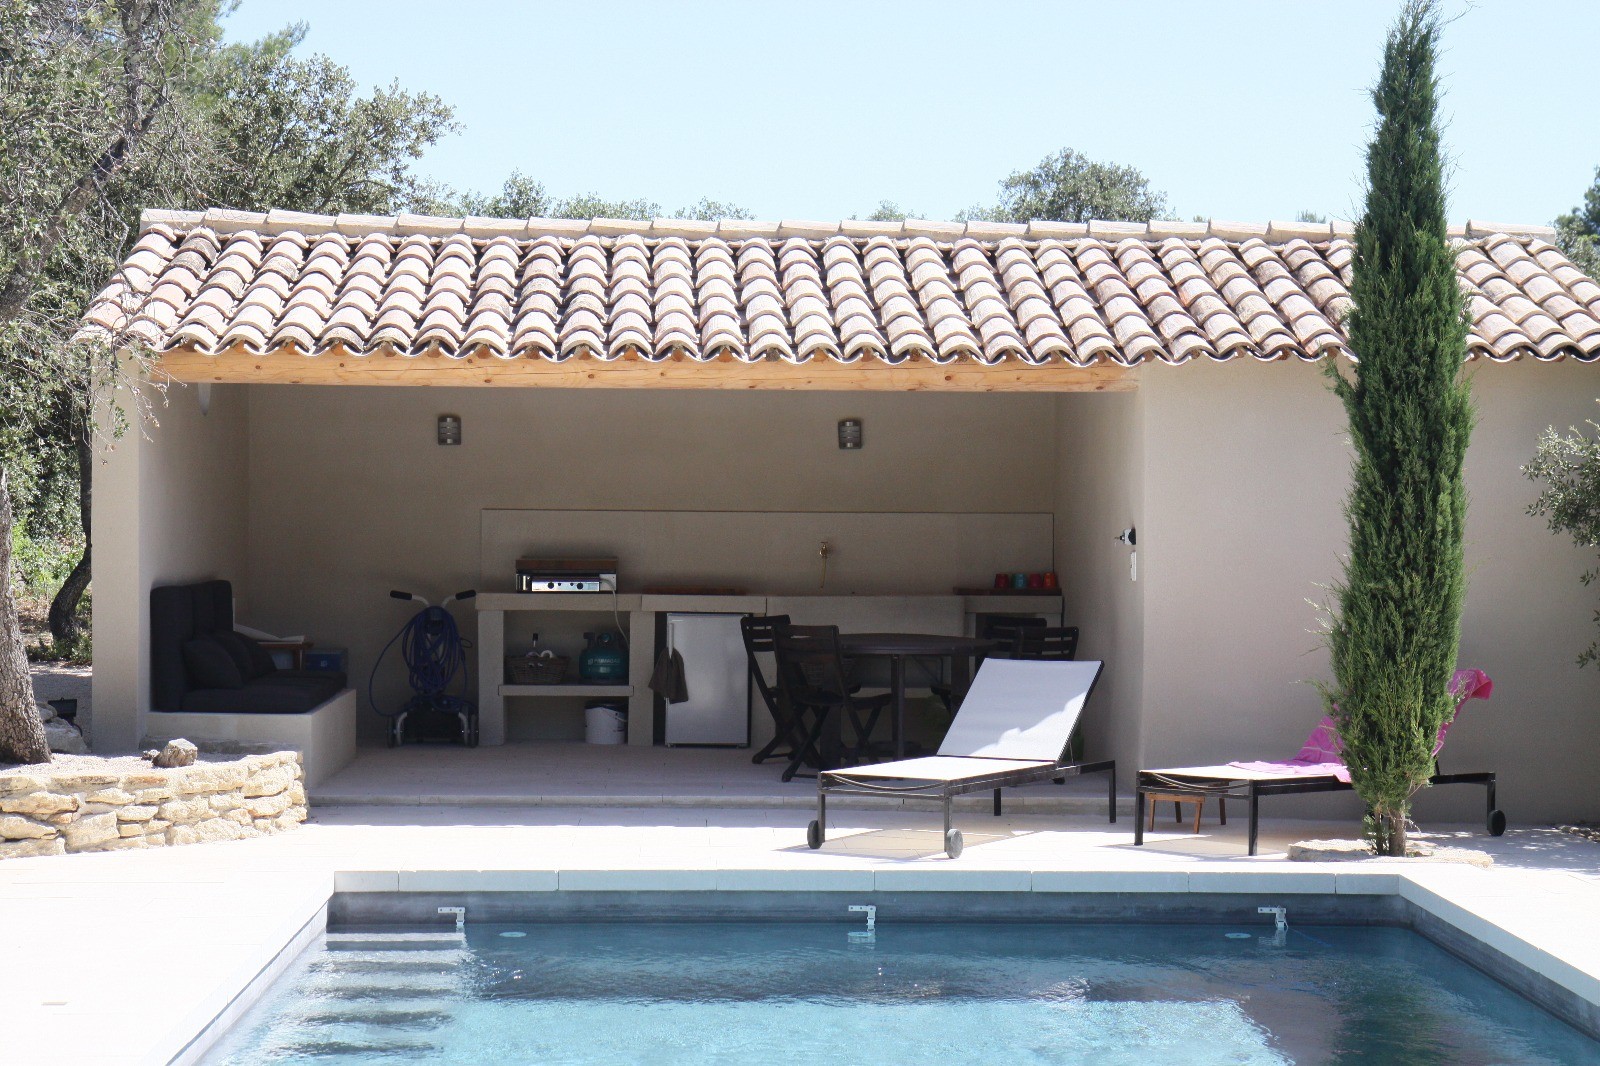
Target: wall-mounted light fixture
{"points": [[850, 434], [449, 429]]}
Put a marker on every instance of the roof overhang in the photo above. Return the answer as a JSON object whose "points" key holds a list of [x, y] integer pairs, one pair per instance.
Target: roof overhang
{"points": [[337, 367]]}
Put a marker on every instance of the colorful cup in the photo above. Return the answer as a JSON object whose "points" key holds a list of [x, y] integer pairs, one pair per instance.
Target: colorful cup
{"points": [[1019, 581], [1002, 581], [1050, 580], [1036, 581]]}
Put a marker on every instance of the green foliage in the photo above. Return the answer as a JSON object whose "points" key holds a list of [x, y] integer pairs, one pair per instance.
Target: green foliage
{"points": [[523, 197], [709, 210], [1578, 231], [147, 108], [889, 211], [1395, 629], [1309, 216], [296, 134], [1069, 187], [1568, 466]]}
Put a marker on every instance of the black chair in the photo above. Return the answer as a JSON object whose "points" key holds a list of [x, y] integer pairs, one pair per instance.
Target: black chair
{"points": [[812, 680], [1055, 643], [1006, 630], [760, 633]]}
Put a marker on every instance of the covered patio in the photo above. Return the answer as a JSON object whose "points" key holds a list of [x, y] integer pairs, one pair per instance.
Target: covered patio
{"points": [[669, 393]]}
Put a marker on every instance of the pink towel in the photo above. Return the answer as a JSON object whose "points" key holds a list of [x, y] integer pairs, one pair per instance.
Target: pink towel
{"points": [[1322, 755]]}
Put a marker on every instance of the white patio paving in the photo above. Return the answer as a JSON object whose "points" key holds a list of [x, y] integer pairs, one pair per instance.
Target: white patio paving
{"points": [[121, 958]]}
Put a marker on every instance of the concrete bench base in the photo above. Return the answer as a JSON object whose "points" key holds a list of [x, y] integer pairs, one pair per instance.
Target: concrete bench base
{"points": [[325, 736]]}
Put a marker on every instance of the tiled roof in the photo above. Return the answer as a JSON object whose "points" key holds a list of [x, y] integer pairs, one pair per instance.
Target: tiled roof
{"points": [[556, 289]]}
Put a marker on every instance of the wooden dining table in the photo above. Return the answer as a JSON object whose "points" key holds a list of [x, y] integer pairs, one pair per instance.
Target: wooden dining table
{"points": [[898, 647]]}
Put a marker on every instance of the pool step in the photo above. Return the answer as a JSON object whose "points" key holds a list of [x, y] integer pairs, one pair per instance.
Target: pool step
{"points": [[443, 936]]}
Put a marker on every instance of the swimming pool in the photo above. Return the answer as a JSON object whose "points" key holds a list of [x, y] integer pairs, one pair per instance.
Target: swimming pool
{"points": [[612, 993]]}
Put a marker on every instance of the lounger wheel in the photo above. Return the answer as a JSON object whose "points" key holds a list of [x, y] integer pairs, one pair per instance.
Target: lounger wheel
{"points": [[953, 844], [814, 835], [1497, 823]]}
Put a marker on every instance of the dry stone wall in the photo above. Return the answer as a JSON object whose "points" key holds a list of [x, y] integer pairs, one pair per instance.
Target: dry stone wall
{"points": [[45, 813]]}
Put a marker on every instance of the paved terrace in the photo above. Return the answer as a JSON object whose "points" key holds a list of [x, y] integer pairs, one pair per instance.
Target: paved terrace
{"points": [[121, 958]]}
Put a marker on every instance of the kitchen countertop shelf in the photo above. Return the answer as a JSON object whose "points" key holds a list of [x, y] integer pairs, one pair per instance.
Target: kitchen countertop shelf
{"points": [[577, 688]]}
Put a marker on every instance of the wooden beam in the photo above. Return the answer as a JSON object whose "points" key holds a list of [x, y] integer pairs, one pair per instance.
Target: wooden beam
{"points": [[332, 368]]}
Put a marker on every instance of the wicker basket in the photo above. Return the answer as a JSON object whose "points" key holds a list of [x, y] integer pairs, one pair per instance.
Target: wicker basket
{"points": [[546, 668]]}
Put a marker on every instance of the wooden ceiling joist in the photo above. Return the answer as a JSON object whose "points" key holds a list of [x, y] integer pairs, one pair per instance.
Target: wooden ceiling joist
{"points": [[630, 372]]}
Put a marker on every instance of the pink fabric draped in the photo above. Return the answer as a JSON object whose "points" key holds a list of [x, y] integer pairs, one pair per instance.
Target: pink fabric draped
{"points": [[1322, 755]]}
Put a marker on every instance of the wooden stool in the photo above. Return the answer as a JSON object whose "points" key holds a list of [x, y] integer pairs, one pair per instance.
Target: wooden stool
{"points": [[1178, 799]]}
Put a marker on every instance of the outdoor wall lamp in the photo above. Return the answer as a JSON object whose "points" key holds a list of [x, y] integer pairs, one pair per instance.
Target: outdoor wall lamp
{"points": [[449, 429], [850, 434]]}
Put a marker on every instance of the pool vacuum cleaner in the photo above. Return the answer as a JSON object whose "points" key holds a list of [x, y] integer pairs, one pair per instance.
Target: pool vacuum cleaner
{"points": [[435, 658]]}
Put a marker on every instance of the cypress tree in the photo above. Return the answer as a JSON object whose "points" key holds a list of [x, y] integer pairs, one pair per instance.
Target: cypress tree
{"points": [[1396, 613]]}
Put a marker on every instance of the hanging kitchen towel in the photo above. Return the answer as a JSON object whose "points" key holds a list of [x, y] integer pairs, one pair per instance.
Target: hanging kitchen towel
{"points": [[667, 678]]}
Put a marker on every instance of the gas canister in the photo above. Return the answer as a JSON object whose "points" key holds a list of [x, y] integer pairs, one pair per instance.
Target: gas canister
{"points": [[603, 661]]}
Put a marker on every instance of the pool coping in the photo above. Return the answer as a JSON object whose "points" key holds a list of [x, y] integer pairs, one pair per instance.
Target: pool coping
{"points": [[1549, 972]]}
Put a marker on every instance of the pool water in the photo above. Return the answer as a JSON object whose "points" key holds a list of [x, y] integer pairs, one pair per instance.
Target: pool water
{"points": [[918, 993]]}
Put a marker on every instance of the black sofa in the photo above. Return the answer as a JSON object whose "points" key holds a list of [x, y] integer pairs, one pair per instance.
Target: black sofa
{"points": [[198, 663]]}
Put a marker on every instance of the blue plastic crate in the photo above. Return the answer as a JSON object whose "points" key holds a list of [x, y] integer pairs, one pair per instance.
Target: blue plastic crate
{"points": [[330, 659]]}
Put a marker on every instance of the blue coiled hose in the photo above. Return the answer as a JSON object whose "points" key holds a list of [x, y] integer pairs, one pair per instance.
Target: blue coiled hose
{"points": [[435, 656]]}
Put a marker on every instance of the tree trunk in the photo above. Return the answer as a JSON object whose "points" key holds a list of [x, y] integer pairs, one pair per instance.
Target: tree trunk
{"points": [[64, 629], [1389, 832], [22, 738]]}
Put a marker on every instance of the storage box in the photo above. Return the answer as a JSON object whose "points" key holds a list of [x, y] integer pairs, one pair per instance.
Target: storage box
{"points": [[330, 659]]}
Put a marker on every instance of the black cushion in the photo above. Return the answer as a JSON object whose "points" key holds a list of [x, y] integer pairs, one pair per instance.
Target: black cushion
{"points": [[208, 664], [233, 644], [323, 687], [261, 663], [252, 699]]}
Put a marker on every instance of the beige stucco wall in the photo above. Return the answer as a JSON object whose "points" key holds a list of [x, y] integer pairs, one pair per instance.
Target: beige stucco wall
{"points": [[1099, 493], [351, 495], [1245, 469], [1232, 473], [170, 506]]}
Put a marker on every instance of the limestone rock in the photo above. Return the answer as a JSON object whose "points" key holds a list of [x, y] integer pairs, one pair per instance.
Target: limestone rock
{"points": [[81, 782], [209, 777], [22, 849], [137, 813], [64, 739], [226, 801], [154, 795], [86, 832], [178, 752], [38, 804], [16, 827], [185, 810], [11, 784], [47, 713], [269, 806], [239, 815], [218, 829], [122, 844], [111, 797], [182, 834], [270, 782]]}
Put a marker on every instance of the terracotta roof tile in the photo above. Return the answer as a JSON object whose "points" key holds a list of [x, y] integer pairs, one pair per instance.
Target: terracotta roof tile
{"points": [[892, 291]]}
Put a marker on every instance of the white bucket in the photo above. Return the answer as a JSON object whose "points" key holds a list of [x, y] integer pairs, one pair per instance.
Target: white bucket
{"points": [[605, 725]]}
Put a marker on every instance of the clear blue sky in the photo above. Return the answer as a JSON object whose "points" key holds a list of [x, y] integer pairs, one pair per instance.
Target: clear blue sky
{"points": [[1237, 109]]}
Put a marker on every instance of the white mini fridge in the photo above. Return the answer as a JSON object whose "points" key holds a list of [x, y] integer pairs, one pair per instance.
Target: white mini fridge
{"points": [[716, 679]]}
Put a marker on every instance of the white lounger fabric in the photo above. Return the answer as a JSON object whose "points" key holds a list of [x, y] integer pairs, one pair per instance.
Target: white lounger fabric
{"points": [[1020, 709], [1226, 773], [940, 768], [1018, 715]]}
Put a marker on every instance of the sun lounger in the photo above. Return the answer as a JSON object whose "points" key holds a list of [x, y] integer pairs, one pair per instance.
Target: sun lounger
{"points": [[1013, 728], [1318, 767]]}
